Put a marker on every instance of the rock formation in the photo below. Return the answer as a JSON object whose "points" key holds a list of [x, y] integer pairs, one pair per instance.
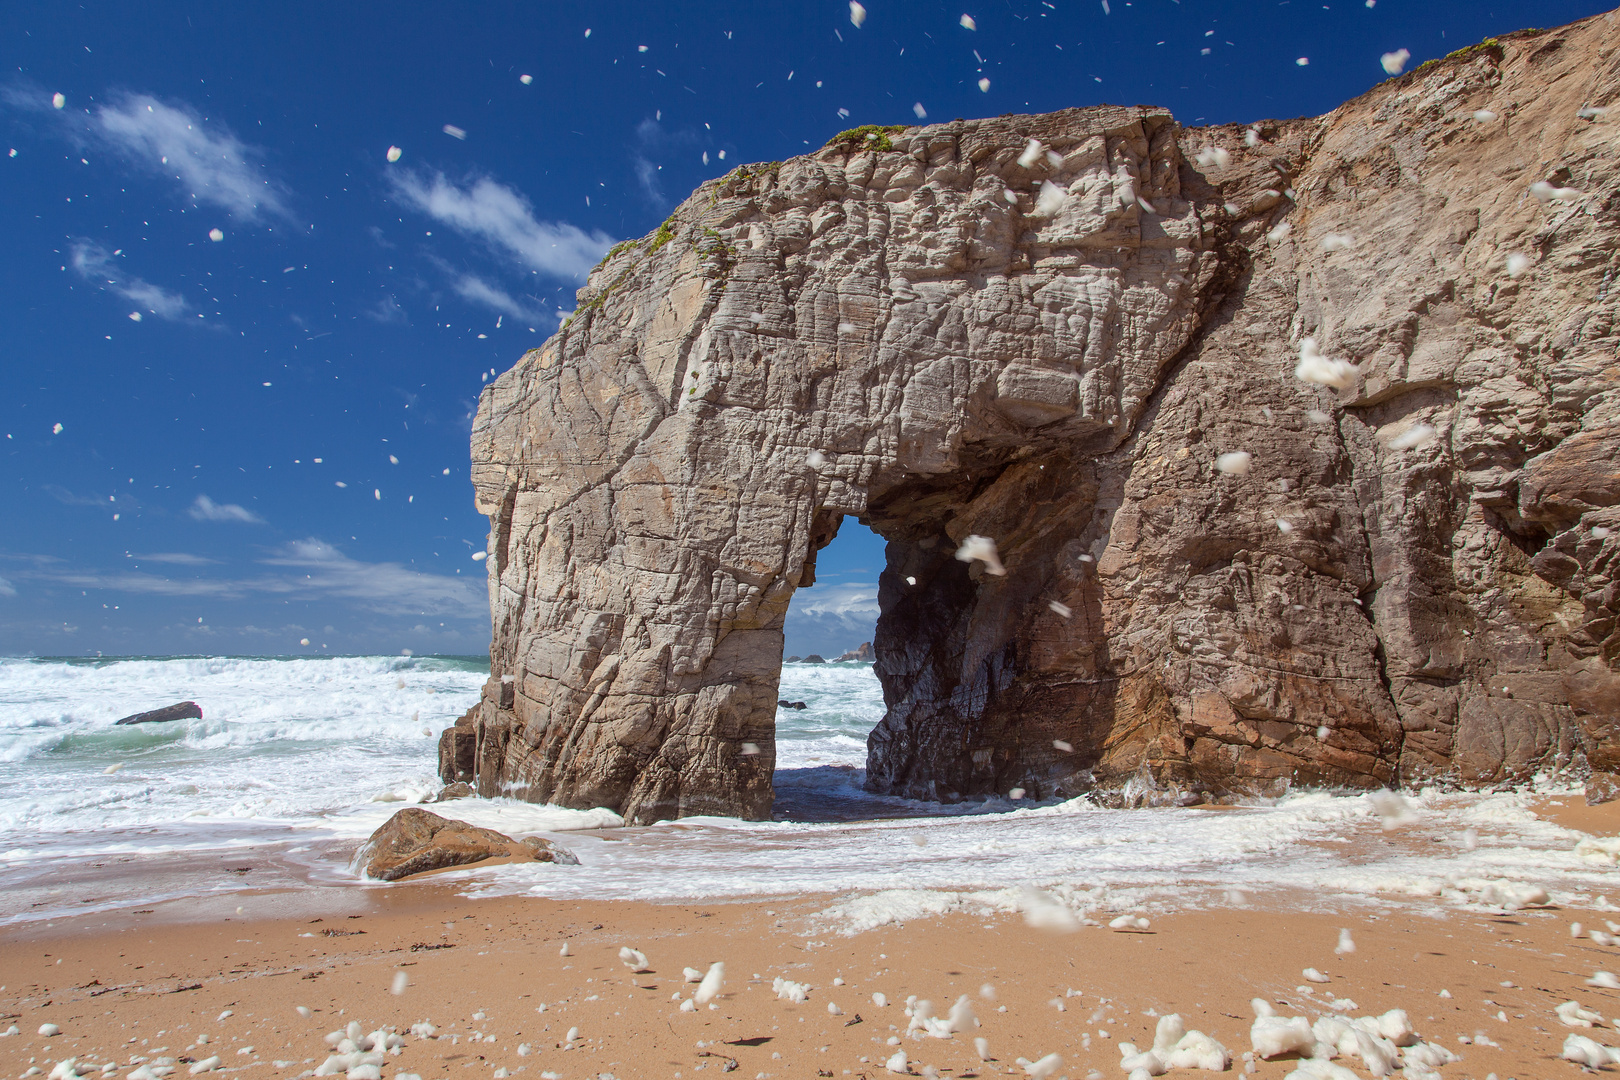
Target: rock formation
{"points": [[954, 330], [415, 841], [184, 710]]}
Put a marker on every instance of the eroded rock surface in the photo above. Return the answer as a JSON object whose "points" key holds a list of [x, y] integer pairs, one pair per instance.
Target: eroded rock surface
{"points": [[415, 841], [944, 332]]}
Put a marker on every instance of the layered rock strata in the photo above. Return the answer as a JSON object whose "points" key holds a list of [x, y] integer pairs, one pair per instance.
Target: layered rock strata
{"points": [[951, 330]]}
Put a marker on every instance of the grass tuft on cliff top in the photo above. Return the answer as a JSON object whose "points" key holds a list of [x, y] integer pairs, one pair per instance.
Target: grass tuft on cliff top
{"points": [[665, 233], [617, 249], [867, 137], [1490, 45]]}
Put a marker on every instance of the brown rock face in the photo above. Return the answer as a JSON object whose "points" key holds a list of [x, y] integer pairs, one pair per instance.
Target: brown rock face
{"points": [[458, 749], [415, 841], [943, 334]]}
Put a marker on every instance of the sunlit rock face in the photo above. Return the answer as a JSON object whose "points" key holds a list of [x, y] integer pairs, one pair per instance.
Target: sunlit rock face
{"points": [[948, 331]]}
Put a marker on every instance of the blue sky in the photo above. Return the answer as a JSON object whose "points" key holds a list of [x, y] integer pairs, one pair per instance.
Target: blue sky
{"points": [[276, 449]]}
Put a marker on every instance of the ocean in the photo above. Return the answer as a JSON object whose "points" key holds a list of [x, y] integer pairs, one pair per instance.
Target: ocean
{"points": [[297, 760]]}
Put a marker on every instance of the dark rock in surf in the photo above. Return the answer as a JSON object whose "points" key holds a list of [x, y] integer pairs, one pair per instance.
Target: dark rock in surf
{"points": [[791, 660], [458, 750], [786, 704], [814, 658], [450, 792], [185, 710]]}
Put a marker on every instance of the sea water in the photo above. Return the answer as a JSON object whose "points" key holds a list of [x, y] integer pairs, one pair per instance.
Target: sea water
{"points": [[296, 761]]}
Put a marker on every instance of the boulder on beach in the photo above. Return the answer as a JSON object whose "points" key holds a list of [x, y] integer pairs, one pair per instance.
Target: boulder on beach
{"points": [[184, 710], [415, 841]]}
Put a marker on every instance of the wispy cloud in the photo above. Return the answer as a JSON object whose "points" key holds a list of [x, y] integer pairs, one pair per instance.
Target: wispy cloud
{"points": [[499, 216], [387, 311], [7, 588], [212, 164], [829, 618], [474, 288], [388, 588], [178, 558], [653, 141], [100, 502], [97, 266], [206, 509], [855, 600], [320, 571], [133, 581]]}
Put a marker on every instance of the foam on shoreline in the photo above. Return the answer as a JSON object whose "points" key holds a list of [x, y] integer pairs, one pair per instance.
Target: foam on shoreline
{"points": [[299, 761]]}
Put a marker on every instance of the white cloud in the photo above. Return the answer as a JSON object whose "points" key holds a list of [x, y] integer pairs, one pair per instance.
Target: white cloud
{"points": [[855, 600], [136, 582], [320, 571], [653, 142], [829, 618], [97, 266], [387, 310], [502, 217], [389, 588], [647, 177], [214, 166], [206, 509], [7, 588], [474, 288], [178, 558]]}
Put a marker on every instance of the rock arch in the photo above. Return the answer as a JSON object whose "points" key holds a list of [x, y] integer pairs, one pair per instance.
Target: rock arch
{"points": [[944, 331]]}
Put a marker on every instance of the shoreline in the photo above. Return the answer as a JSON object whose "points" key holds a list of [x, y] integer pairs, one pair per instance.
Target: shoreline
{"points": [[237, 966], [111, 983], [961, 856]]}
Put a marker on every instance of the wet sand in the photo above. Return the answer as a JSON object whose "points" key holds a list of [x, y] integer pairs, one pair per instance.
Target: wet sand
{"points": [[131, 985]]}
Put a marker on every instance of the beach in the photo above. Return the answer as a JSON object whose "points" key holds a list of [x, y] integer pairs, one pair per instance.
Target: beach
{"points": [[140, 986], [131, 987]]}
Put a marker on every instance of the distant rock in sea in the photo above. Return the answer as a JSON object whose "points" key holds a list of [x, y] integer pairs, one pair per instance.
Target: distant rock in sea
{"points": [[791, 660], [814, 658], [415, 841], [863, 652], [185, 710]]}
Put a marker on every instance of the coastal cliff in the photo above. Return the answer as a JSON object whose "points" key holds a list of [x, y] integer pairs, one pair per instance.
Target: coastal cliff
{"points": [[949, 330]]}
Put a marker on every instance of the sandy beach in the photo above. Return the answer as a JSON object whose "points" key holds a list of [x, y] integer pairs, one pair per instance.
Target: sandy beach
{"points": [[149, 985]]}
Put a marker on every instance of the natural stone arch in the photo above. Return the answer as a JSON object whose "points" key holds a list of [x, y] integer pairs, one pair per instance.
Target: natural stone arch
{"points": [[648, 471], [960, 357]]}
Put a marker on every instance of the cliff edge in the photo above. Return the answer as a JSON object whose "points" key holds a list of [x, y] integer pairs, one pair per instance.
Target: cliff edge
{"points": [[949, 331]]}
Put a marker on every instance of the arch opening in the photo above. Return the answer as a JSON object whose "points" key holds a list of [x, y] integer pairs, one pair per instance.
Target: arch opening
{"points": [[829, 697], [996, 685]]}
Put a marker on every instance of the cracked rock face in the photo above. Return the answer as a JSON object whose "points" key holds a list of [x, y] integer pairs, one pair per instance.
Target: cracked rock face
{"points": [[945, 331]]}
